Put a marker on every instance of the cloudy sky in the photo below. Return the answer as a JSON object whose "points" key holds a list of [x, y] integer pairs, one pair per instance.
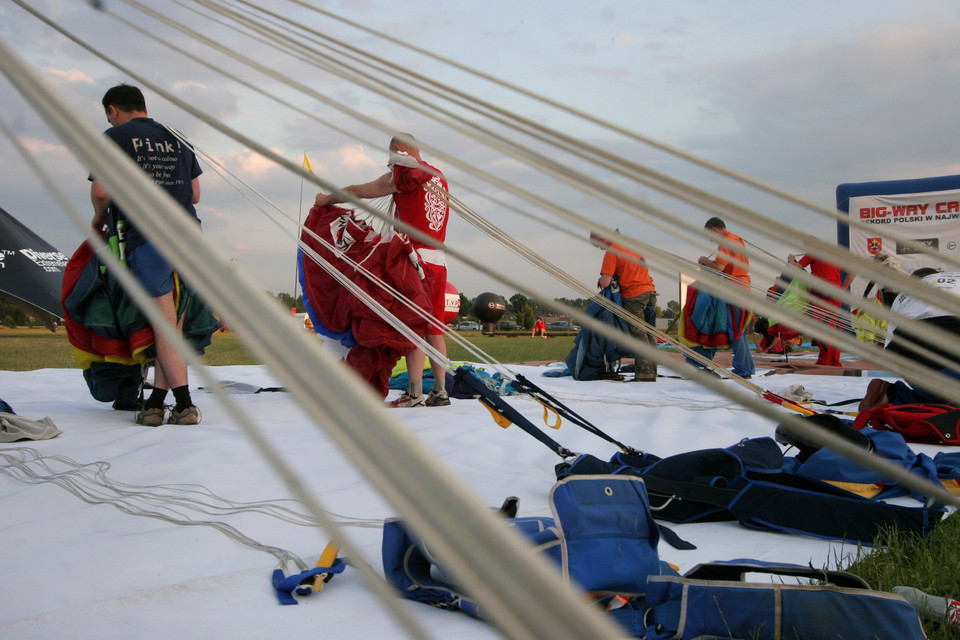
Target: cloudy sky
{"points": [[804, 96]]}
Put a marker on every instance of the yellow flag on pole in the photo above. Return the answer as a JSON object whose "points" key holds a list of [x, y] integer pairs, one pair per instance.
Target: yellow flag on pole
{"points": [[306, 163]]}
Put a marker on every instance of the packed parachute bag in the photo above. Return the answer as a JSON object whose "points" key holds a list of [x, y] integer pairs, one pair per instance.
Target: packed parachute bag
{"points": [[601, 536], [603, 539], [918, 422], [753, 483], [595, 357], [714, 600], [111, 339], [341, 239]]}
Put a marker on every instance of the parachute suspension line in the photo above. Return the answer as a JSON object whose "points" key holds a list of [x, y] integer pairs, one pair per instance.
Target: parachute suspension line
{"points": [[388, 317], [240, 418], [233, 180], [381, 223], [488, 133], [639, 205], [91, 483], [376, 419], [810, 309], [550, 136], [817, 329], [760, 409], [761, 249], [813, 331], [296, 275], [261, 322], [534, 258], [868, 261], [548, 267], [567, 109], [579, 146]]}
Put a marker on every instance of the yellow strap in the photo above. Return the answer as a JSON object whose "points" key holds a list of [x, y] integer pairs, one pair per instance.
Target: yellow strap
{"points": [[788, 404], [546, 415], [952, 485], [799, 408], [498, 417], [859, 488], [327, 558]]}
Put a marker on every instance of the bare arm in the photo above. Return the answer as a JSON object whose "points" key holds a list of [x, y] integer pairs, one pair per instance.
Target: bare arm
{"points": [[100, 201], [382, 186], [604, 281], [710, 264], [196, 191]]}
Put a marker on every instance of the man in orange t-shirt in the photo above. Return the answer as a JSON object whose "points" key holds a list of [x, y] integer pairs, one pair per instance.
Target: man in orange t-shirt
{"points": [[736, 266], [638, 294]]}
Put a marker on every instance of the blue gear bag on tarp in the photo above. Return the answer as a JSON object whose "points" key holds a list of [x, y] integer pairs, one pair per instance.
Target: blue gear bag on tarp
{"points": [[601, 536], [603, 540], [713, 601], [592, 354], [747, 482]]}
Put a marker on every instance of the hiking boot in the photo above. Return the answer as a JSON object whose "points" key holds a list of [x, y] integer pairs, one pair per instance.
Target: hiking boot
{"points": [[878, 392], [609, 375], [127, 405], [643, 379], [438, 399], [151, 417], [185, 417], [406, 401]]}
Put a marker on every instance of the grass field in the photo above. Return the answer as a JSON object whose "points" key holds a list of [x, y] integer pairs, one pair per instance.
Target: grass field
{"points": [[26, 349], [929, 565]]}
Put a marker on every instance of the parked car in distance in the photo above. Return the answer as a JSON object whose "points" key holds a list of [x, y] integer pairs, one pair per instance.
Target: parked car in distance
{"points": [[558, 325], [507, 325], [468, 325]]}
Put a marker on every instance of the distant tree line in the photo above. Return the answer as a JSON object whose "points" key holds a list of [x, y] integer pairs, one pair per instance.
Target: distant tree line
{"points": [[520, 308], [287, 300], [525, 310], [13, 316]]}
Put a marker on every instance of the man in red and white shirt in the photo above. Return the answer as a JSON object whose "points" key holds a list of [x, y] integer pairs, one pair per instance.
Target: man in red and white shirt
{"points": [[419, 192]]}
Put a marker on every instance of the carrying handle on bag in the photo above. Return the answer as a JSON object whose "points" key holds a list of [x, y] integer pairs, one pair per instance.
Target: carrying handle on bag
{"points": [[735, 570]]}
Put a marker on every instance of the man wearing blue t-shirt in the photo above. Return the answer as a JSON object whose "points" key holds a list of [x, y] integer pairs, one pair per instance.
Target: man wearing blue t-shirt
{"points": [[172, 165]]}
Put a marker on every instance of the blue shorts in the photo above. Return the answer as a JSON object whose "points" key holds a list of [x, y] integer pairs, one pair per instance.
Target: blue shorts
{"points": [[152, 270]]}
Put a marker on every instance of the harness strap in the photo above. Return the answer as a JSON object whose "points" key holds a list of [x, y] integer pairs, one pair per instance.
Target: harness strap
{"points": [[504, 414], [800, 505], [303, 583], [524, 385]]}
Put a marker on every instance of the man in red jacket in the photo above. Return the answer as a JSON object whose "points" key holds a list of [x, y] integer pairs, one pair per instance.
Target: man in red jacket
{"points": [[419, 192], [824, 305]]}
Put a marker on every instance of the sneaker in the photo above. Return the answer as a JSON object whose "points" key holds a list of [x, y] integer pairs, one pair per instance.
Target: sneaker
{"points": [[438, 399], [878, 392], [406, 401], [152, 417], [186, 416]]}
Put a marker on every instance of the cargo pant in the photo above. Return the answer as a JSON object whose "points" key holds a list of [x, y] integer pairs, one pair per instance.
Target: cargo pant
{"points": [[644, 368]]}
